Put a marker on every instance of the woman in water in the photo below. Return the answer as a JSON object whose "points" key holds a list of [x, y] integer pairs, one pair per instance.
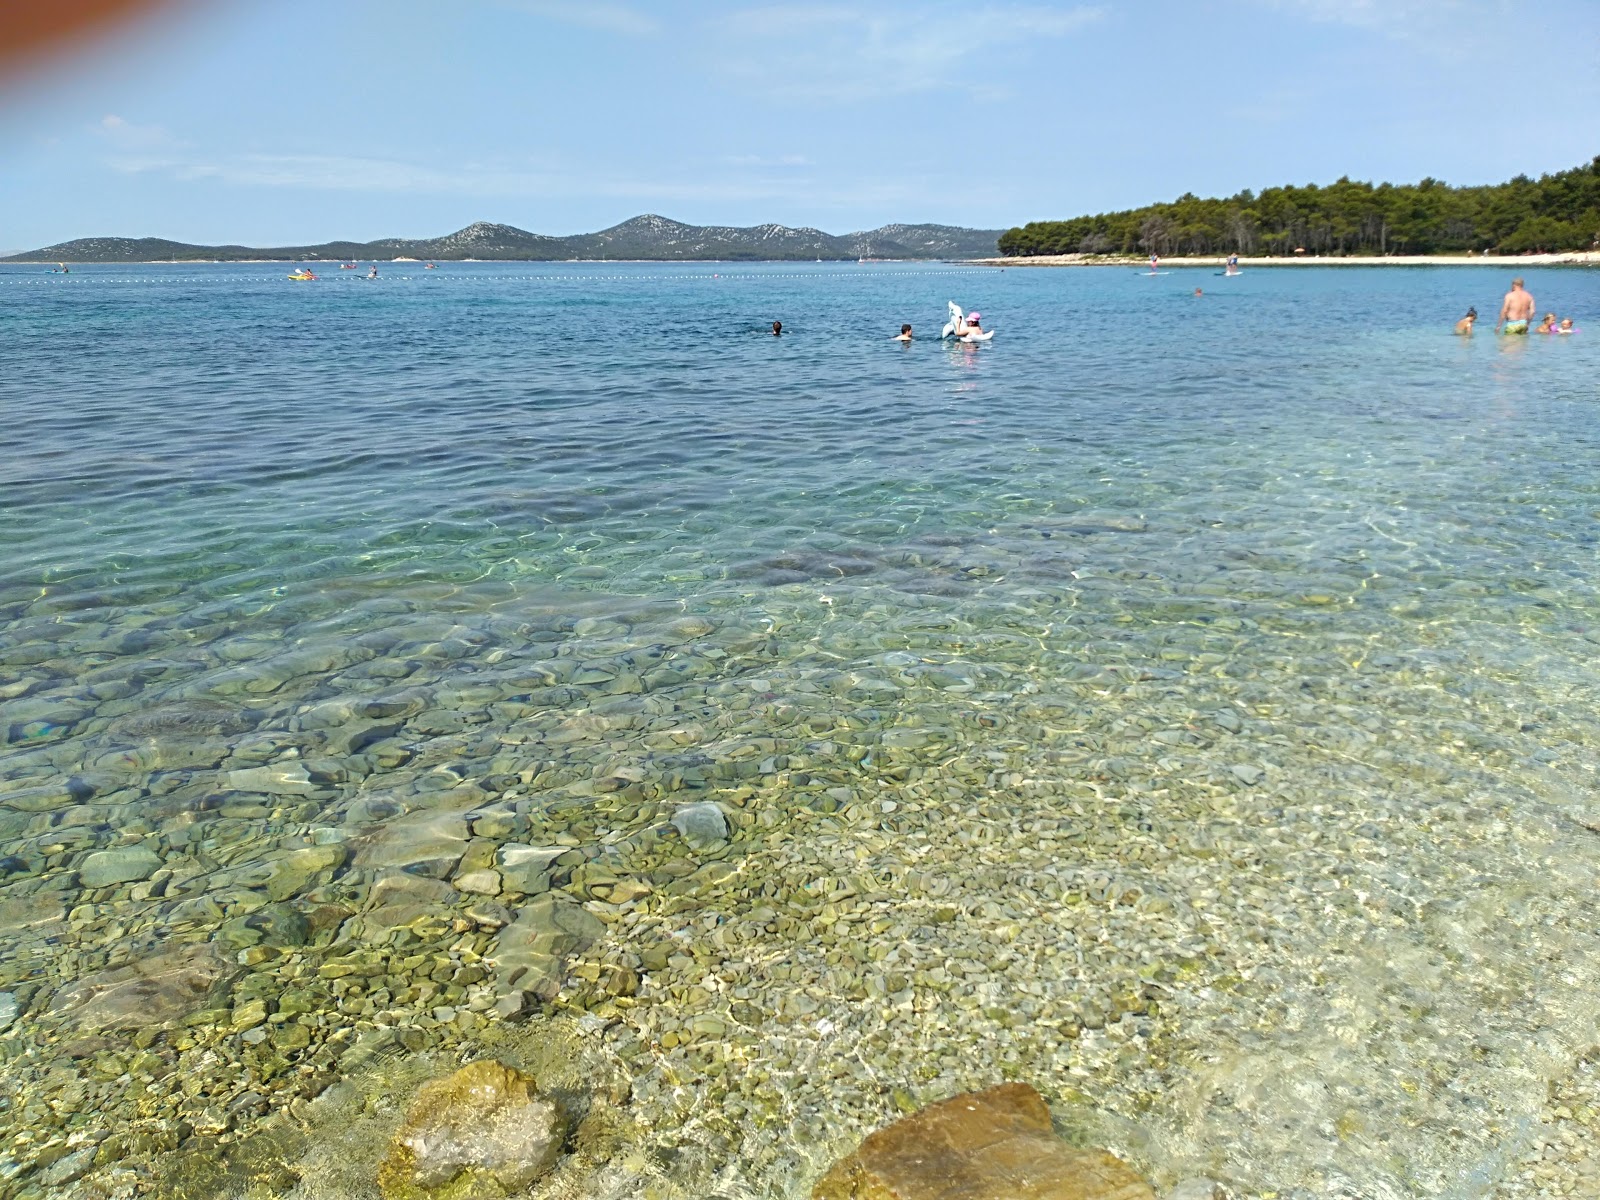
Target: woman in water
{"points": [[1548, 325], [1464, 326], [777, 329], [904, 335]]}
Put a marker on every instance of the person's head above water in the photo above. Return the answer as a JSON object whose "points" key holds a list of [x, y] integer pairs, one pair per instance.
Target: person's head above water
{"points": [[777, 328], [1472, 315], [974, 317], [905, 329]]}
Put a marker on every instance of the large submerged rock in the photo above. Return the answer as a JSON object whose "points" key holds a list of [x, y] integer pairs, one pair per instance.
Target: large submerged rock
{"points": [[125, 864], [482, 1133], [531, 953], [991, 1145], [151, 991]]}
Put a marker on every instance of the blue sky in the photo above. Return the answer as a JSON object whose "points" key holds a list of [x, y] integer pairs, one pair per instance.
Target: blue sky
{"points": [[303, 120]]}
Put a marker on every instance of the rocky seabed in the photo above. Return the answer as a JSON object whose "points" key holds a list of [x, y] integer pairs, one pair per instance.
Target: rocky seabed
{"points": [[1278, 896]]}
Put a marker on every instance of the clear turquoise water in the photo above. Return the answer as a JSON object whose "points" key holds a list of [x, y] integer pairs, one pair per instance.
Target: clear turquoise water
{"points": [[217, 428], [219, 486]]}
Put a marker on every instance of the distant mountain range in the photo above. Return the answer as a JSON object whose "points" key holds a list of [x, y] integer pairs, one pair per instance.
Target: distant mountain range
{"points": [[647, 237]]}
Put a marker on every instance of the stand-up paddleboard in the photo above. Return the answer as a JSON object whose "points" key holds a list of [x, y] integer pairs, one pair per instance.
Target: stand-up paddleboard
{"points": [[1227, 274], [1152, 272]]}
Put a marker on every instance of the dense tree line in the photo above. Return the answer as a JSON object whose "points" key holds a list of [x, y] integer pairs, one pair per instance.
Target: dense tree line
{"points": [[1554, 212]]}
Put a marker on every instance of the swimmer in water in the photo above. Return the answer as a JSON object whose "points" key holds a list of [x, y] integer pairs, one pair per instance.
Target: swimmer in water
{"points": [[1464, 326], [970, 326], [777, 329], [1516, 310], [904, 335], [1198, 292], [1566, 326], [373, 274], [1548, 325]]}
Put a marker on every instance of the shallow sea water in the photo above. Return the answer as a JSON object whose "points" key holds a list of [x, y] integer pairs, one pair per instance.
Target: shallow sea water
{"points": [[1186, 705]]}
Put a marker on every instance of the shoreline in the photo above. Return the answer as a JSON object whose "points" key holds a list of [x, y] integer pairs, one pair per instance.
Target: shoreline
{"points": [[1576, 258], [543, 262]]}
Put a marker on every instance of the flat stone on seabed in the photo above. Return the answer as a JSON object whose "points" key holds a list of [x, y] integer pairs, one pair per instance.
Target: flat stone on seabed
{"points": [[125, 864], [532, 950], [991, 1145], [701, 824]]}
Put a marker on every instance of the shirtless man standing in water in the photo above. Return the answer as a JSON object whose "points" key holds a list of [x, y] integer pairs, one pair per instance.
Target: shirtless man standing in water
{"points": [[1516, 310]]}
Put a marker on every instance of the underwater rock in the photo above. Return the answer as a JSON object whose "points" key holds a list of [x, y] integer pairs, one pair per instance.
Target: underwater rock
{"points": [[295, 871], [480, 1133], [282, 779], [150, 991], [530, 954], [701, 824], [41, 914], [527, 869], [424, 843], [125, 864], [991, 1145]]}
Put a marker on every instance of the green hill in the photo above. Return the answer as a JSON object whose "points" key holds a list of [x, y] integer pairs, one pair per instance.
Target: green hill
{"points": [[646, 237], [1551, 213]]}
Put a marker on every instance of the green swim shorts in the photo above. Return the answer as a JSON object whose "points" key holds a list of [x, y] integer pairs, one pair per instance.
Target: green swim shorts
{"points": [[1516, 327]]}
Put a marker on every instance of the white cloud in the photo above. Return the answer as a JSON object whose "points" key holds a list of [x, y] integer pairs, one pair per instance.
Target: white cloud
{"points": [[126, 135], [843, 53], [591, 14], [772, 178], [759, 160], [1449, 27], [1374, 14]]}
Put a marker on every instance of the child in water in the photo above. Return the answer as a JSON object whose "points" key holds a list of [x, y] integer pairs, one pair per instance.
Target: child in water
{"points": [[1566, 326], [1464, 326], [1548, 325], [904, 334]]}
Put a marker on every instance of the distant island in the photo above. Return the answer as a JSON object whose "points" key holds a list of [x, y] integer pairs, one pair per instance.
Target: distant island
{"points": [[1552, 214], [648, 237]]}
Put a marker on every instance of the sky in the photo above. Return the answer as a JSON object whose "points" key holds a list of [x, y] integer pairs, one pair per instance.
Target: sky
{"points": [[281, 122]]}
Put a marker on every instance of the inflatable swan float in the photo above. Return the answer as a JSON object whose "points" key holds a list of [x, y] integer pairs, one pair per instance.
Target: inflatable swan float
{"points": [[958, 321]]}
